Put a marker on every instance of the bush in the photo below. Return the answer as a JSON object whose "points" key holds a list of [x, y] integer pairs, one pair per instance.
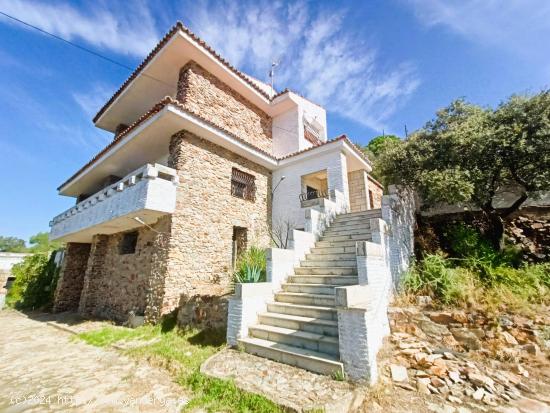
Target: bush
{"points": [[478, 280], [35, 282], [251, 266], [435, 276]]}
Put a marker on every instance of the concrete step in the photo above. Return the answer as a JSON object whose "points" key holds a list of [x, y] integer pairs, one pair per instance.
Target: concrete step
{"points": [[328, 255], [296, 338], [369, 213], [335, 280], [351, 221], [350, 231], [322, 313], [349, 225], [353, 237], [343, 249], [325, 271], [306, 299], [308, 288], [322, 262], [310, 324], [306, 359]]}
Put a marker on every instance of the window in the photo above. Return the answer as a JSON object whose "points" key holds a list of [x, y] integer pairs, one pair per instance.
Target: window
{"points": [[128, 243], [242, 185], [311, 133]]}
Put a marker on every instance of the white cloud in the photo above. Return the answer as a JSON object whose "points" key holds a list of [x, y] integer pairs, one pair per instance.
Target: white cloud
{"points": [[519, 26], [320, 56], [92, 100], [129, 30]]}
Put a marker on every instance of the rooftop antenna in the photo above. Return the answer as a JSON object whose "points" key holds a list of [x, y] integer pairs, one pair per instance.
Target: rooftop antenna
{"points": [[274, 64]]}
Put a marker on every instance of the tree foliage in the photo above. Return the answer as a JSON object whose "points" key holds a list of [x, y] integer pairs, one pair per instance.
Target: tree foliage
{"points": [[35, 280], [376, 147], [468, 153], [41, 243], [12, 244]]}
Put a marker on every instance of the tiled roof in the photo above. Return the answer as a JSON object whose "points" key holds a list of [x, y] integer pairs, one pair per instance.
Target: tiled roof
{"points": [[155, 109], [339, 138], [179, 26]]}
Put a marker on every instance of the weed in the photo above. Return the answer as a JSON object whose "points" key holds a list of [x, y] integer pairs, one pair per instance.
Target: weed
{"points": [[338, 376]]}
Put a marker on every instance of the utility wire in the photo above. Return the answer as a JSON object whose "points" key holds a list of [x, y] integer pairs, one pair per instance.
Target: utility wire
{"points": [[85, 49]]}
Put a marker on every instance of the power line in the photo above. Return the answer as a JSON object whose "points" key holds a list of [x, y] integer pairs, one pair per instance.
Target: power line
{"points": [[108, 59], [82, 48]]}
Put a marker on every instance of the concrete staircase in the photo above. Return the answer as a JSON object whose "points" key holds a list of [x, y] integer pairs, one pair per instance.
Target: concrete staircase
{"points": [[300, 326]]}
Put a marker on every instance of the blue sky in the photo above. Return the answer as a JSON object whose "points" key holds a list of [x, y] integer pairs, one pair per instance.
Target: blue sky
{"points": [[375, 65]]}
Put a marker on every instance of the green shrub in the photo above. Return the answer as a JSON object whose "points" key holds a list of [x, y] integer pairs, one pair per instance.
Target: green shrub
{"points": [[251, 266], [35, 282], [435, 276], [477, 281]]}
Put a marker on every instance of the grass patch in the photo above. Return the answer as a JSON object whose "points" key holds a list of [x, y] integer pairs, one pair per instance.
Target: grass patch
{"points": [[223, 396], [107, 336], [182, 352]]}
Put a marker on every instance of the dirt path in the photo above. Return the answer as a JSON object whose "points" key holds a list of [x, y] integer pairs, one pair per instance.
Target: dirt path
{"points": [[42, 369]]}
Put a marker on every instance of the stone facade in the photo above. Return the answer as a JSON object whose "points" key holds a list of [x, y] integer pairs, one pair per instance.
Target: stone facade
{"points": [[203, 311], [116, 283], [71, 281], [376, 192], [358, 187], [199, 251], [202, 93]]}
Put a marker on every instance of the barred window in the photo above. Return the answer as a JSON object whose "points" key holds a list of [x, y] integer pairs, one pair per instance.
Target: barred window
{"points": [[242, 185]]}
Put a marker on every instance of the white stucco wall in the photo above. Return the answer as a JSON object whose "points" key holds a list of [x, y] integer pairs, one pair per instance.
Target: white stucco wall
{"points": [[9, 259], [288, 127], [286, 201]]}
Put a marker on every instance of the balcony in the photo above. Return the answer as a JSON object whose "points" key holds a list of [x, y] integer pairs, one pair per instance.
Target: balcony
{"points": [[147, 194]]}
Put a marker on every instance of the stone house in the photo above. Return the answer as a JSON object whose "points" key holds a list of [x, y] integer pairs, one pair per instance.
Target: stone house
{"points": [[204, 162]]}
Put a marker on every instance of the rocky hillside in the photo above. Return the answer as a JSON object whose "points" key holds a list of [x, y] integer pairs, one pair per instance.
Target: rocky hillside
{"points": [[459, 362]]}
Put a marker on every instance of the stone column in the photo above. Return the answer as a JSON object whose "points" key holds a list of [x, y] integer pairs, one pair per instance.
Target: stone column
{"points": [[71, 277], [95, 271]]}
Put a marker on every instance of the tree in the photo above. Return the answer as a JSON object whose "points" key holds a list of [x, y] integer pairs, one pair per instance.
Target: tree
{"points": [[41, 243], [375, 149], [468, 153], [12, 244], [377, 144]]}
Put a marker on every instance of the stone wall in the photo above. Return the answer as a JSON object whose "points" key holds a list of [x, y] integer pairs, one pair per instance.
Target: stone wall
{"points": [[204, 94], [115, 283], [377, 192], [531, 233], [199, 254], [203, 311], [358, 186], [71, 277]]}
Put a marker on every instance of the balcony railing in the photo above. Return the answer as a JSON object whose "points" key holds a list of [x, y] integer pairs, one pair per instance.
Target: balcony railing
{"points": [[147, 193], [313, 195]]}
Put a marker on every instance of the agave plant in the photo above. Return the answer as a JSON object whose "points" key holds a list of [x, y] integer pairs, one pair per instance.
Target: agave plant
{"points": [[251, 266]]}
